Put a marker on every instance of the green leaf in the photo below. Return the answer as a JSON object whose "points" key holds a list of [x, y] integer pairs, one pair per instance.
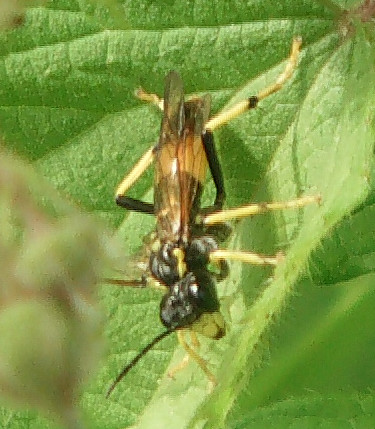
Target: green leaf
{"points": [[67, 105], [314, 411]]}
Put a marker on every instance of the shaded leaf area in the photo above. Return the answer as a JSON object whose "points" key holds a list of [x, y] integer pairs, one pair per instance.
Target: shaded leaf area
{"points": [[176, 14], [160, 15], [312, 411], [348, 252], [67, 104]]}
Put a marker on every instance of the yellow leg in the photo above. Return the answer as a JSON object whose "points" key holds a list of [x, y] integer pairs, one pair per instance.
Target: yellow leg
{"points": [[185, 361], [241, 107], [191, 353], [246, 257], [137, 171], [150, 98], [182, 365], [253, 209], [194, 340]]}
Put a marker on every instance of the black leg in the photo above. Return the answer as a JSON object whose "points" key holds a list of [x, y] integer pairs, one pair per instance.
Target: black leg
{"points": [[129, 180], [134, 205], [215, 168]]}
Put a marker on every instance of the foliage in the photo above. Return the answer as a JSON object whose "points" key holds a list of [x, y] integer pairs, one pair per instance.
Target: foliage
{"points": [[299, 348]]}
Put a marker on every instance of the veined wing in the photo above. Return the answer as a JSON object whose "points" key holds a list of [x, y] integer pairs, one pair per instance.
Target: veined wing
{"points": [[167, 197], [192, 161]]}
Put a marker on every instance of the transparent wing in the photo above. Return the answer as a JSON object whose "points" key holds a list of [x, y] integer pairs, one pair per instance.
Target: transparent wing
{"points": [[192, 159], [167, 198]]}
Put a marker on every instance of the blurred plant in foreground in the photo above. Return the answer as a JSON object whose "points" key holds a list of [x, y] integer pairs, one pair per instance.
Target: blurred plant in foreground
{"points": [[51, 257]]}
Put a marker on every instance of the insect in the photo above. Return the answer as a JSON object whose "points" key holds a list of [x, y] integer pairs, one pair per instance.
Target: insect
{"points": [[186, 236]]}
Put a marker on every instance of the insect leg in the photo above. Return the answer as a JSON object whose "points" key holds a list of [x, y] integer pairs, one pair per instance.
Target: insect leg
{"points": [[136, 283], [246, 257], [150, 98], [194, 339], [191, 353], [215, 168], [253, 209], [182, 365], [194, 355], [129, 180], [252, 102], [143, 282]]}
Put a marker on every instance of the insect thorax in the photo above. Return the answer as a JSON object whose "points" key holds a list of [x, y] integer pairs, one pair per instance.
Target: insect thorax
{"points": [[191, 289]]}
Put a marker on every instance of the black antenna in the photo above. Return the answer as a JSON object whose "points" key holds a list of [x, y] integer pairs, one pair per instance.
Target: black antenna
{"points": [[130, 365]]}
